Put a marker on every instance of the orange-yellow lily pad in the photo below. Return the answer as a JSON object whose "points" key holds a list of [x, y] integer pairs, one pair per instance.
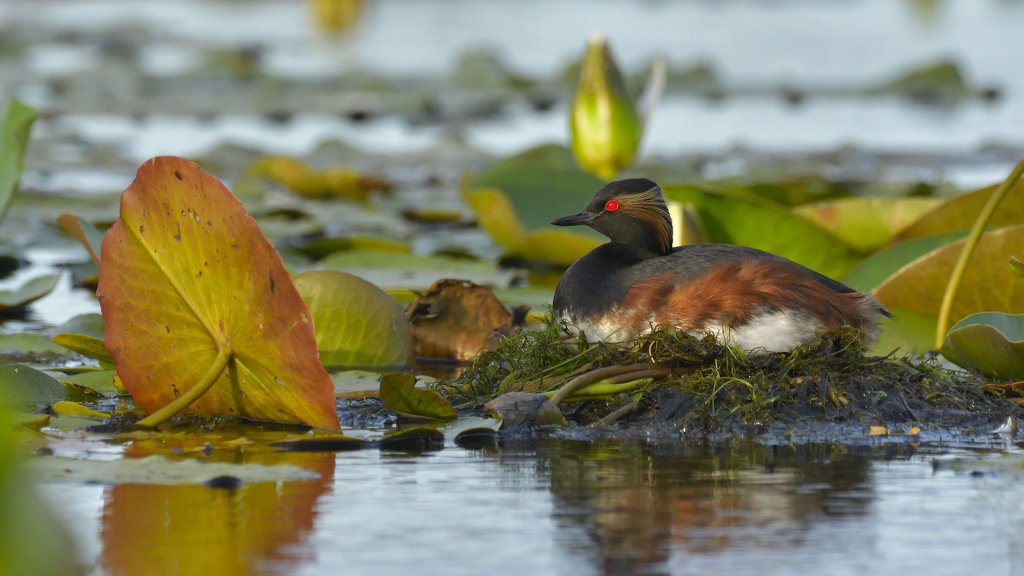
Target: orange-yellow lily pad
{"points": [[194, 295], [960, 213], [988, 283]]}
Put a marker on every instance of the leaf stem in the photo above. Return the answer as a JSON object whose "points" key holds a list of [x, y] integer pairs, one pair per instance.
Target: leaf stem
{"points": [[972, 242], [192, 394], [597, 375]]}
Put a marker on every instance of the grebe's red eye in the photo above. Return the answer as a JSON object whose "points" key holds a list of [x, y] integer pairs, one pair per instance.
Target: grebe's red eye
{"points": [[611, 205]]}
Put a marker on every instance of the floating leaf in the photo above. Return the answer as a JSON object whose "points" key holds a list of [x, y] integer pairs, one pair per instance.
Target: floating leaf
{"points": [[960, 213], [27, 389], [873, 270], [1017, 265], [398, 393], [85, 345], [496, 215], [356, 384], [28, 292], [15, 128], [909, 332], [29, 343], [988, 282], [767, 227], [68, 408], [322, 247], [301, 179], [86, 233], [542, 183], [92, 382], [355, 323], [990, 343], [192, 293], [866, 224]]}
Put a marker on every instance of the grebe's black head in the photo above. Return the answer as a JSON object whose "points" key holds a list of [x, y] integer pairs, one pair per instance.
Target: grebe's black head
{"points": [[631, 212]]}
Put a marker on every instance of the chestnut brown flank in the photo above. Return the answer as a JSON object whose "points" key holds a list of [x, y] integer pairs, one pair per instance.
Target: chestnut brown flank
{"points": [[732, 293]]}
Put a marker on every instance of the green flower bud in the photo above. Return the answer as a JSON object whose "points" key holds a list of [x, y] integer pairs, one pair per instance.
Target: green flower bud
{"points": [[606, 126]]}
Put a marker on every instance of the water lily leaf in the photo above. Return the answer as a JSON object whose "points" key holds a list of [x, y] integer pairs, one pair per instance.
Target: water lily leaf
{"points": [[394, 270], [85, 345], [309, 183], [30, 343], [27, 389], [542, 183], [192, 293], [15, 128], [28, 292], [90, 324], [1017, 265], [960, 213], [988, 283], [84, 232], [873, 270], [354, 384], [496, 215], [558, 247], [398, 393], [866, 224], [909, 332], [767, 227], [95, 382], [68, 408], [991, 343], [355, 323], [323, 247]]}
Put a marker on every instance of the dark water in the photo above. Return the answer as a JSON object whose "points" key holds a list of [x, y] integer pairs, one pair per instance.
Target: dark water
{"points": [[561, 506]]}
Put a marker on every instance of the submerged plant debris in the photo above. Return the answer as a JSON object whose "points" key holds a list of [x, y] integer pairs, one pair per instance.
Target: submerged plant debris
{"points": [[715, 389]]}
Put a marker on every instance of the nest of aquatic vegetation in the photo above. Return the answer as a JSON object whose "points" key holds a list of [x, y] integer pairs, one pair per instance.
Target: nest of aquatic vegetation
{"points": [[710, 387]]}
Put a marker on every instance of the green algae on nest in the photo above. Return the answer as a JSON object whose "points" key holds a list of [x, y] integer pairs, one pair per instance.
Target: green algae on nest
{"points": [[713, 388]]}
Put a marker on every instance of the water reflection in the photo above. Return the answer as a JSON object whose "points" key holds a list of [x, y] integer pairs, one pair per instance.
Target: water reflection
{"points": [[640, 509], [256, 528]]}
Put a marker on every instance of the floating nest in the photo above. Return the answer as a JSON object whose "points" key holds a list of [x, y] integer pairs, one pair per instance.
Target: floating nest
{"points": [[679, 382]]}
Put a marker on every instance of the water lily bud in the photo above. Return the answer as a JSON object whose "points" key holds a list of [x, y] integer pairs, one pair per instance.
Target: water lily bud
{"points": [[606, 126]]}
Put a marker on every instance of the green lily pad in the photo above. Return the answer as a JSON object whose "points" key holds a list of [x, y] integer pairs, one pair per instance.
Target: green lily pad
{"points": [[960, 213], [767, 227], [29, 343], [27, 389], [28, 292], [396, 270], [1017, 265], [866, 224], [873, 270], [356, 384], [542, 183], [908, 332], [398, 393], [90, 324], [97, 382], [85, 345], [355, 322], [988, 284], [991, 343], [15, 128]]}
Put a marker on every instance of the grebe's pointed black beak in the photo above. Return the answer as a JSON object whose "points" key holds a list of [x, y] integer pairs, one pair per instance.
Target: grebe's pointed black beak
{"points": [[575, 219]]}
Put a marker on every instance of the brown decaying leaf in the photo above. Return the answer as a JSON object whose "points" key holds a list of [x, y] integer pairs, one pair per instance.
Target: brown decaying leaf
{"points": [[455, 319]]}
